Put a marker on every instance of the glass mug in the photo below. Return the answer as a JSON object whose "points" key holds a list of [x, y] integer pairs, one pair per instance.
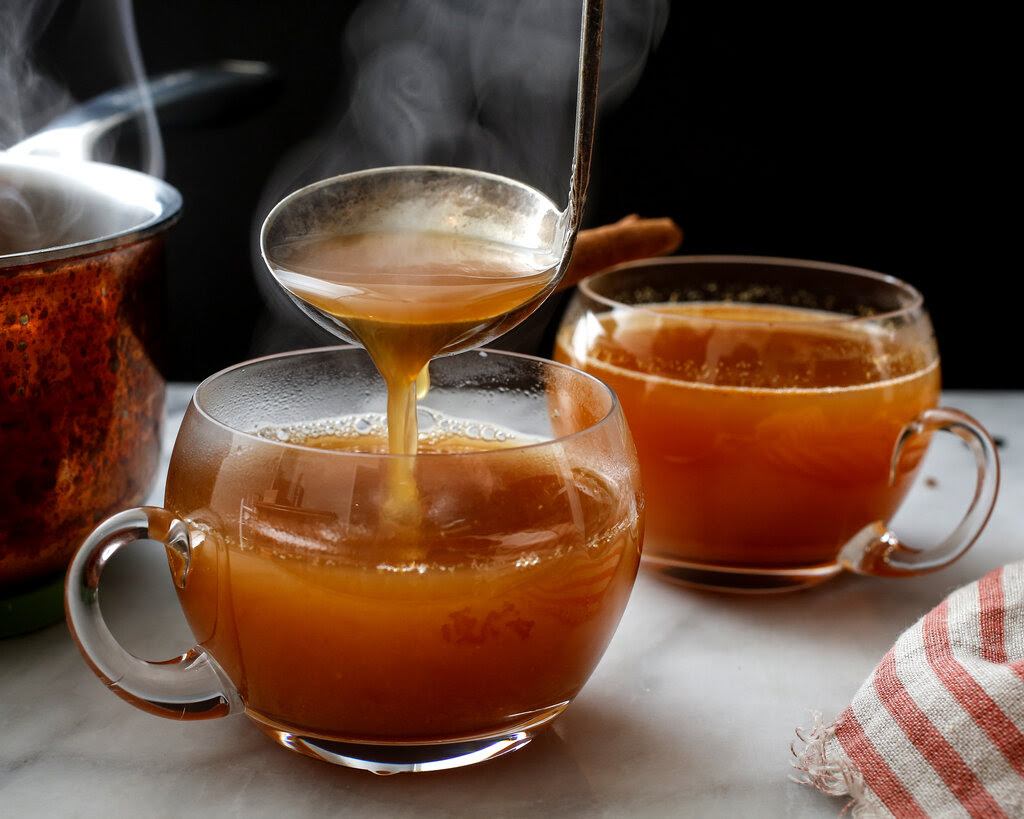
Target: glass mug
{"points": [[780, 408], [391, 613]]}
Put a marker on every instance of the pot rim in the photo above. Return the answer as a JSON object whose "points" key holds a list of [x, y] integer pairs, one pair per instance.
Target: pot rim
{"points": [[159, 201]]}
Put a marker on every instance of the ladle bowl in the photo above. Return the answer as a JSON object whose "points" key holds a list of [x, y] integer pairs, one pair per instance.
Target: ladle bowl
{"points": [[421, 199]]}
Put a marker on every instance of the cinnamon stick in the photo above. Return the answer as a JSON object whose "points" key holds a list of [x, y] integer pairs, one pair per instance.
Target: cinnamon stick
{"points": [[626, 240]]}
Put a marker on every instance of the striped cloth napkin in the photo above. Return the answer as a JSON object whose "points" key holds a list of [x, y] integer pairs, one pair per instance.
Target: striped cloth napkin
{"points": [[938, 729]]}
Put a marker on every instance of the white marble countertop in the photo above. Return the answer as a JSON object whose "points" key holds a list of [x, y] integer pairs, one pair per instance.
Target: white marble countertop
{"points": [[690, 713]]}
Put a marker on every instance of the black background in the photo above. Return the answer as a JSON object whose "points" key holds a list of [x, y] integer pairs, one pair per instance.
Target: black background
{"points": [[857, 135]]}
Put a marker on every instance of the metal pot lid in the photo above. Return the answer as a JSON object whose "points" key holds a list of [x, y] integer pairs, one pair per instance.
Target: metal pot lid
{"points": [[54, 209]]}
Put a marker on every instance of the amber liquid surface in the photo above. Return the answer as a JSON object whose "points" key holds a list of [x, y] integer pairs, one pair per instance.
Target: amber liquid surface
{"points": [[761, 445], [409, 296], [494, 607]]}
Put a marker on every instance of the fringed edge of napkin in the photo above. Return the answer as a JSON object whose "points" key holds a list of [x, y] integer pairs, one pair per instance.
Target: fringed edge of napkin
{"points": [[824, 766]]}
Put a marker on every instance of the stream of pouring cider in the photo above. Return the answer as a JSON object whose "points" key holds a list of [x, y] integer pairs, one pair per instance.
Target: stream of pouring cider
{"points": [[416, 262]]}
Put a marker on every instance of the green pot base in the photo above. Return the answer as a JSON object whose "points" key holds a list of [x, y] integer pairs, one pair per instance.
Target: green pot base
{"points": [[30, 607]]}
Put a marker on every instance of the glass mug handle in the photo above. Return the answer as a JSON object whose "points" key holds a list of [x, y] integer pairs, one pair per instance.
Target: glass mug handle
{"points": [[188, 687], [876, 550]]}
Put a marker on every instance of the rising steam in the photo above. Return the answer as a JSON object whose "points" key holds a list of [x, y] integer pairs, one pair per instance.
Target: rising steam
{"points": [[28, 97], [488, 86], [36, 218]]}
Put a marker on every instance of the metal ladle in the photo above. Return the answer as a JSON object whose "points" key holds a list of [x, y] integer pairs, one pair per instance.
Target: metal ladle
{"points": [[450, 200]]}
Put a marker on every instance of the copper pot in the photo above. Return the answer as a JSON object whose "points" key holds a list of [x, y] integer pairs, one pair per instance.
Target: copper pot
{"points": [[81, 394], [81, 391]]}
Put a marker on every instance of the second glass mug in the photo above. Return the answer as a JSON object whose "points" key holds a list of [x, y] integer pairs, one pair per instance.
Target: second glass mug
{"points": [[781, 409], [389, 613]]}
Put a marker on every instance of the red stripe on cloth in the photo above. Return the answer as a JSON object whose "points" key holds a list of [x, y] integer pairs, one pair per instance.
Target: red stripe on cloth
{"points": [[1017, 667], [882, 780], [971, 696], [942, 756], [992, 617]]}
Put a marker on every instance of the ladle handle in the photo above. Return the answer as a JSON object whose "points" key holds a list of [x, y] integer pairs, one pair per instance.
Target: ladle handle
{"points": [[586, 109], [188, 687]]}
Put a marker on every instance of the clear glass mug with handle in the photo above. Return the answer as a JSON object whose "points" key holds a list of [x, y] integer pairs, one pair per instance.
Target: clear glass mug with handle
{"points": [[391, 613], [781, 409]]}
